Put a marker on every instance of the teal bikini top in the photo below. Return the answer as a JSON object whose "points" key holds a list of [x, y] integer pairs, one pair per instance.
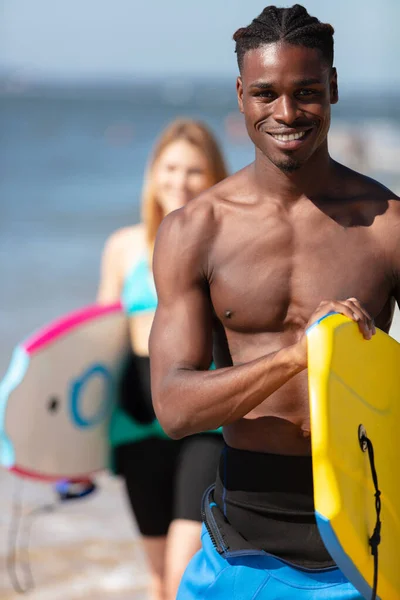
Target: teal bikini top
{"points": [[139, 292], [138, 296]]}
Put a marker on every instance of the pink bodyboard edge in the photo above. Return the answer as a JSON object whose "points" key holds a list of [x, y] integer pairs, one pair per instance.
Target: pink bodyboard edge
{"points": [[61, 326]]}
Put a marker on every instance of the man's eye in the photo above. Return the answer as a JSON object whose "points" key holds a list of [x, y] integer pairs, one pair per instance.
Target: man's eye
{"points": [[305, 93], [264, 94]]}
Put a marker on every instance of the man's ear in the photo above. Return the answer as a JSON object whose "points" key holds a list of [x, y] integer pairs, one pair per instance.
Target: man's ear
{"points": [[334, 87], [239, 91]]}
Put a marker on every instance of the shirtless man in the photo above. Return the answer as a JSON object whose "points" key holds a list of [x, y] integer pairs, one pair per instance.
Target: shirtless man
{"points": [[241, 272]]}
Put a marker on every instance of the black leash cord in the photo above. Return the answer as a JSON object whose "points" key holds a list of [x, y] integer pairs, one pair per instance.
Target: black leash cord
{"points": [[375, 538]]}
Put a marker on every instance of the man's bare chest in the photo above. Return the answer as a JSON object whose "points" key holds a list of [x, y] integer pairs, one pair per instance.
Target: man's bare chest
{"points": [[269, 278]]}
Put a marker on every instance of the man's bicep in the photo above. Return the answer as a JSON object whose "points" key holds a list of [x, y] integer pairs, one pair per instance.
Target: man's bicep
{"points": [[181, 336]]}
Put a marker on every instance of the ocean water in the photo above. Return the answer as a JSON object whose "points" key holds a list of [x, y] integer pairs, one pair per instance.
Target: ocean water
{"points": [[71, 170]]}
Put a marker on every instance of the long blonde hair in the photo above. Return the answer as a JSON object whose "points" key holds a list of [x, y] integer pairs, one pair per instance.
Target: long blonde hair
{"points": [[200, 136]]}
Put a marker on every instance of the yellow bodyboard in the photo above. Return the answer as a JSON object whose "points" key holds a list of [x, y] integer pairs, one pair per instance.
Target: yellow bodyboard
{"points": [[355, 382]]}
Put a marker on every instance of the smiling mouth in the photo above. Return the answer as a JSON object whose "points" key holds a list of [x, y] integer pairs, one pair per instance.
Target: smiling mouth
{"points": [[290, 137]]}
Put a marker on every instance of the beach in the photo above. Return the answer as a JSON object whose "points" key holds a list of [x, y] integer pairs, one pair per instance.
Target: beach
{"points": [[86, 548], [71, 175]]}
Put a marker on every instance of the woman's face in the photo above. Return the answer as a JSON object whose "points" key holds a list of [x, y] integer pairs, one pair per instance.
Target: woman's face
{"points": [[180, 174]]}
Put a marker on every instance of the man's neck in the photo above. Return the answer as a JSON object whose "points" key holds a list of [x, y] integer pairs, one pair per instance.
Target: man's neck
{"points": [[311, 179]]}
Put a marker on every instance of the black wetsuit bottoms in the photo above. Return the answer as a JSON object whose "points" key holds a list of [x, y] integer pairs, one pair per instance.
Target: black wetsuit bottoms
{"points": [[164, 479], [268, 500]]}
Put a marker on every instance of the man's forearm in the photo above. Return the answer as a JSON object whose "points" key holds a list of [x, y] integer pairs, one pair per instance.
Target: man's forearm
{"points": [[190, 401]]}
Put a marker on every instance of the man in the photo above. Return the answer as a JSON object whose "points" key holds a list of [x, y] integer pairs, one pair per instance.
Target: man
{"points": [[241, 272]]}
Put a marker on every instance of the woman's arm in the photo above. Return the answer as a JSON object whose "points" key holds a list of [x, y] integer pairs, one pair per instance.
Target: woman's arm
{"points": [[121, 249]]}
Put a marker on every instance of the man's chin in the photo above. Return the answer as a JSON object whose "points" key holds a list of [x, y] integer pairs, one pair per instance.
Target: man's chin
{"points": [[288, 165]]}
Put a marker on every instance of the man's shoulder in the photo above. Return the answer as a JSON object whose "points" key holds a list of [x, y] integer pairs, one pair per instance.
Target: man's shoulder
{"points": [[204, 211], [196, 216], [385, 200], [227, 192], [365, 186], [373, 201], [192, 230], [380, 205]]}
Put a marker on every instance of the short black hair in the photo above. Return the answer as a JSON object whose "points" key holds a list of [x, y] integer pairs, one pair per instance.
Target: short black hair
{"points": [[291, 25]]}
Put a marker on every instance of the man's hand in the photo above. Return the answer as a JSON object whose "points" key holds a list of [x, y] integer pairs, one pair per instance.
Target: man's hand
{"points": [[350, 308]]}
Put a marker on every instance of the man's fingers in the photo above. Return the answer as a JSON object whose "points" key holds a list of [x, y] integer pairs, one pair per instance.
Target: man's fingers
{"points": [[353, 309], [361, 307], [362, 317]]}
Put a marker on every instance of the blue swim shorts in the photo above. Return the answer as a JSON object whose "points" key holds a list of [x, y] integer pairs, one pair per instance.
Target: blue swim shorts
{"points": [[210, 576]]}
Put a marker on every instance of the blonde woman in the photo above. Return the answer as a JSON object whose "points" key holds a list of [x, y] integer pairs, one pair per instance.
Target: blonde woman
{"points": [[164, 479]]}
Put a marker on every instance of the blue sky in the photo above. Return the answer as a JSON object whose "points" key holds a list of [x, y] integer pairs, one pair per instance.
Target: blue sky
{"points": [[102, 39]]}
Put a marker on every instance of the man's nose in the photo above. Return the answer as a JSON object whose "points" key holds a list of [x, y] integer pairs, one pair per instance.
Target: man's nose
{"points": [[285, 110]]}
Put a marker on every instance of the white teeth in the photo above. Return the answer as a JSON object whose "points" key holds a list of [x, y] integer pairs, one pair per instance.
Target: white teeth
{"points": [[288, 138]]}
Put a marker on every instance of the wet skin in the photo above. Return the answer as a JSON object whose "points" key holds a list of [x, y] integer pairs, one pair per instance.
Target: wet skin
{"points": [[241, 271]]}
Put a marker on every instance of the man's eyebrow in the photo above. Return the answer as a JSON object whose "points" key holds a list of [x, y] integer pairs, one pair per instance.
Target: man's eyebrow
{"points": [[262, 85], [267, 85], [309, 81]]}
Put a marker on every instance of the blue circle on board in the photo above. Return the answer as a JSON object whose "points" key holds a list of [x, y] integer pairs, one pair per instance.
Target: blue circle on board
{"points": [[77, 390]]}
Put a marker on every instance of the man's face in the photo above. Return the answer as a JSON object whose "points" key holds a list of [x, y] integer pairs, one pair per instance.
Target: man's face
{"points": [[285, 93]]}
